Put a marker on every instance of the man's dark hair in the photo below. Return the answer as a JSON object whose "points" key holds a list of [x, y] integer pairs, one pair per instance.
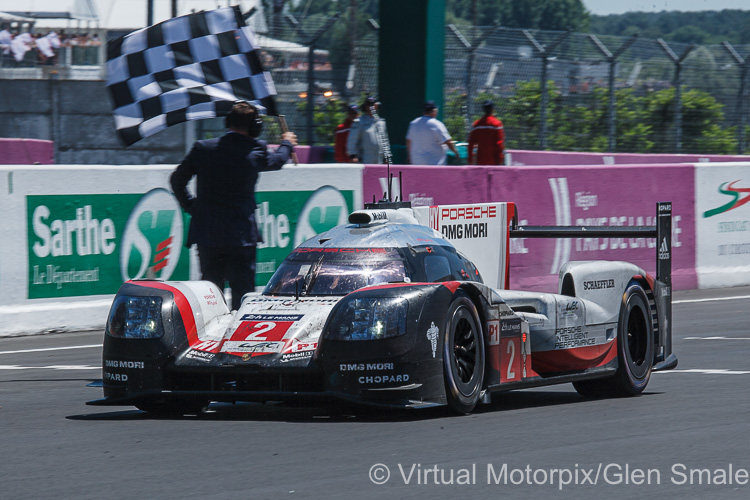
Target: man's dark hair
{"points": [[488, 106], [368, 103], [245, 116]]}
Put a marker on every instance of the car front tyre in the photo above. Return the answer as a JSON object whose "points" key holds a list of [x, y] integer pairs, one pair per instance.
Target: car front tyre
{"points": [[463, 355]]}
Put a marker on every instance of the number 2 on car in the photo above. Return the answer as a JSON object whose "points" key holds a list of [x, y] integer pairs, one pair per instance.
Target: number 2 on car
{"points": [[261, 331]]}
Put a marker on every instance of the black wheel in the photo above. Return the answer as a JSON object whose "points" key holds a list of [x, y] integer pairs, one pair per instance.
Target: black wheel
{"points": [[172, 408], [635, 350], [635, 342], [463, 356]]}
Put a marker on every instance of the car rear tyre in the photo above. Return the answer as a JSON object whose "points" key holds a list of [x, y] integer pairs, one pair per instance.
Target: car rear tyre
{"points": [[635, 350], [635, 342], [463, 356]]}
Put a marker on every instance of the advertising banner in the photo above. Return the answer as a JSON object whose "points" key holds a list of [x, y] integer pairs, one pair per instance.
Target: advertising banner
{"points": [[596, 196], [83, 245], [723, 224], [563, 196]]}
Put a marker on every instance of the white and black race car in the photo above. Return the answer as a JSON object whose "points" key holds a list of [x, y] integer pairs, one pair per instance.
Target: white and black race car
{"points": [[385, 310]]}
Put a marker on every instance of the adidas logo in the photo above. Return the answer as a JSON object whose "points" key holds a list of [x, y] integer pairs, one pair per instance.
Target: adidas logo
{"points": [[664, 250]]}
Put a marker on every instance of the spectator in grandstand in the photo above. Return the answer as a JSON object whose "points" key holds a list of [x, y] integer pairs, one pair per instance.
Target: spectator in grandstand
{"points": [[367, 135], [5, 39], [46, 46], [488, 137], [427, 139], [20, 45], [342, 135]]}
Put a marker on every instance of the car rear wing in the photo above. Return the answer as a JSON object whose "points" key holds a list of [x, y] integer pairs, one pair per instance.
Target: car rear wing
{"points": [[662, 231]]}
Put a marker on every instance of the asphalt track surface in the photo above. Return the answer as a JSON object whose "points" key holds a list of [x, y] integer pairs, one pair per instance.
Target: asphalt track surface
{"points": [[686, 437]]}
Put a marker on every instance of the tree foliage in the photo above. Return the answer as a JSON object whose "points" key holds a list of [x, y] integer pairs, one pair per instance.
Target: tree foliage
{"points": [[644, 123], [706, 27], [531, 14]]}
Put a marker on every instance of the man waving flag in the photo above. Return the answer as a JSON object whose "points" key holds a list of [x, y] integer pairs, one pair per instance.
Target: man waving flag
{"points": [[185, 68]]}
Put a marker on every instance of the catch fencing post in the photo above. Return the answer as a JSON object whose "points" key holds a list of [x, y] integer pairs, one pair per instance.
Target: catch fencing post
{"points": [[743, 64], [678, 89], [311, 40], [471, 48], [544, 54], [612, 60]]}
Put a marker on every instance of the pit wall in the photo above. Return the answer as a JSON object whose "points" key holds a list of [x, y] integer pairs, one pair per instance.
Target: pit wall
{"points": [[72, 234]]}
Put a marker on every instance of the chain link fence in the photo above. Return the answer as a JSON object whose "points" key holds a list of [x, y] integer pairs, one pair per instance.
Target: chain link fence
{"points": [[575, 112], [647, 113], [553, 90]]}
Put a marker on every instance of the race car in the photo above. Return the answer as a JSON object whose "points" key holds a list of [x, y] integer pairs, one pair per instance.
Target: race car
{"points": [[388, 311]]}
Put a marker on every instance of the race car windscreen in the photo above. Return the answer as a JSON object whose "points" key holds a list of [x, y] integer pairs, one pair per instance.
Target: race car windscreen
{"points": [[335, 271]]}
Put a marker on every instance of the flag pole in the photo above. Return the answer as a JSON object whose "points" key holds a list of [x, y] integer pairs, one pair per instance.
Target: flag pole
{"points": [[285, 128]]}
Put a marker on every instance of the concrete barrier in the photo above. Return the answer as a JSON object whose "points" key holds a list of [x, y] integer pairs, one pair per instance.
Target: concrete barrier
{"points": [[722, 216]]}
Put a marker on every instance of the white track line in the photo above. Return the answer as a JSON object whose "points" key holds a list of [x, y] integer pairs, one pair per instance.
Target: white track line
{"points": [[716, 338], [52, 349], [51, 367], [692, 301], [708, 372]]}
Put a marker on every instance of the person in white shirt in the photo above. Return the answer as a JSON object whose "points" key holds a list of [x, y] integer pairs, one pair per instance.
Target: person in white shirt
{"points": [[427, 139]]}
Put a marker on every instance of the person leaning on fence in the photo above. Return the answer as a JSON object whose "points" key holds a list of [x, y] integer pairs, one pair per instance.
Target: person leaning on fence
{"points": [[342, 136], [488, 137], [223, 211], [365, 143], [427, 139]]}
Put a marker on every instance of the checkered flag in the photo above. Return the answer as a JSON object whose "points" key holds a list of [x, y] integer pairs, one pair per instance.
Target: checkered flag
{"points": [[186, 68]]}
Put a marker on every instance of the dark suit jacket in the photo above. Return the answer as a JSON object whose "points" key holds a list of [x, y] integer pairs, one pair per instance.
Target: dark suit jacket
{"points": [[223, 210]]}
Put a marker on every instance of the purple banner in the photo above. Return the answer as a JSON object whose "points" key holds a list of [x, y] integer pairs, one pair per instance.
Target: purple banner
{"points": [[428, 185], [595, 196], [555, 158], [26, 152]]}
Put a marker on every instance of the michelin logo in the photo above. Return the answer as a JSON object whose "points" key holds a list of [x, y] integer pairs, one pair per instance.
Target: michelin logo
{"points": [[432, 336]]}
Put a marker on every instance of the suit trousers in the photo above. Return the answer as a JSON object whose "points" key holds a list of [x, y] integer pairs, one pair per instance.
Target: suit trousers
{"points": [[235, 265]]}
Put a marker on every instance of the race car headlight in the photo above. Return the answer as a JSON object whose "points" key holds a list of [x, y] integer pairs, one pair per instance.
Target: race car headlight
{"points": [[368, 319], [135, 318]]}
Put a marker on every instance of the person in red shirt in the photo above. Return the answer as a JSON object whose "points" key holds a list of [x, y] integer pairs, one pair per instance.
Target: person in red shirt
{"points": [[488, 137], [342, 135]]}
